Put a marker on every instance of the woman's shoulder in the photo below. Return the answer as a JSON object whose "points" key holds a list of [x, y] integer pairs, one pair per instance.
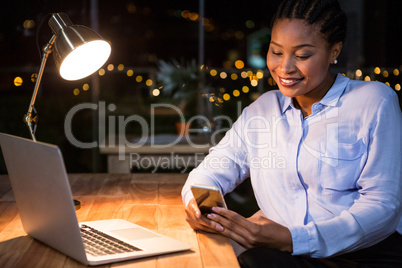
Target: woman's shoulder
{"points": [[367, 94], [370, 89]]}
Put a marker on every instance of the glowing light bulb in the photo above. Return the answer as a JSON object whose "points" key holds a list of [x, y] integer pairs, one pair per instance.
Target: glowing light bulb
{"points": [[85, 60]]}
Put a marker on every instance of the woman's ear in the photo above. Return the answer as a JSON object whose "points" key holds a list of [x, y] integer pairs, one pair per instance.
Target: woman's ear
{"points": [[336, 50]]}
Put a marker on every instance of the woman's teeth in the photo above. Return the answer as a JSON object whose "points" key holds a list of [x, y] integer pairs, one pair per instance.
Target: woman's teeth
{"points": [[289, 81]]}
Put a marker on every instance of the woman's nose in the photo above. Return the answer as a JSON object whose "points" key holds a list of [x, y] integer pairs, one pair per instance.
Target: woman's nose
{"points": [[287, 65]]}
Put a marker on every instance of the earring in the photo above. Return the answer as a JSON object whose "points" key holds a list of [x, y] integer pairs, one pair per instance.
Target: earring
{"points": [[335, 61]]}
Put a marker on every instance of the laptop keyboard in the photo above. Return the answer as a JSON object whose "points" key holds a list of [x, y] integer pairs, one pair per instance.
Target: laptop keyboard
{"points": [[98, 244]]}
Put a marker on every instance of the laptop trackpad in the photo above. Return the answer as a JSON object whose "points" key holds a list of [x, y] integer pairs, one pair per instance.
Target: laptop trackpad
{"points": [[134, 233]]}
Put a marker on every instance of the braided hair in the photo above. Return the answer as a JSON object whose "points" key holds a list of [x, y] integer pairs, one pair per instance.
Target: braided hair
{"points": [[326, 14]]}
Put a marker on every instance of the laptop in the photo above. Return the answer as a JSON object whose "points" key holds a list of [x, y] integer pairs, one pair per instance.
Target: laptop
{"points": [[45, 203]]}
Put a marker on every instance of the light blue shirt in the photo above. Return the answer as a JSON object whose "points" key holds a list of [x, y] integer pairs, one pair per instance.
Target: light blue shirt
{"points": [[333, 178]]}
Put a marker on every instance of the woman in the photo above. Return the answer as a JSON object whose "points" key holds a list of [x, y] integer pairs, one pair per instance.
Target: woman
{"points": [[323, 154]]}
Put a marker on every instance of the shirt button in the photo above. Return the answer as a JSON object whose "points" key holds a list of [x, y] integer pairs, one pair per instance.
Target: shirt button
{"points": [[317, 107]]}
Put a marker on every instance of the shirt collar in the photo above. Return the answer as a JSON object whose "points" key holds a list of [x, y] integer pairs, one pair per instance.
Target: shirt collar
{"points": [[286, 103], [330, 99]]}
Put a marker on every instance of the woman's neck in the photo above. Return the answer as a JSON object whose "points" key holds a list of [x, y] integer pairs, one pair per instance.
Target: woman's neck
{"points": [[305, 102]]}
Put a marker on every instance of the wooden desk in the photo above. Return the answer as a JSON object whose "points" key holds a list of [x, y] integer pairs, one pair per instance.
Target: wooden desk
{"points": [[150, 200]]}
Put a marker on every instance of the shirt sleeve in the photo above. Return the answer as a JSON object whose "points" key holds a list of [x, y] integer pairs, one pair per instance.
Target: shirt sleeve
{"points": [[376, 213], [226, 165]]}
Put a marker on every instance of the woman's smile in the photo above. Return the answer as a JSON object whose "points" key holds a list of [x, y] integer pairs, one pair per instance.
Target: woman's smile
{"points": [[289, 82]]}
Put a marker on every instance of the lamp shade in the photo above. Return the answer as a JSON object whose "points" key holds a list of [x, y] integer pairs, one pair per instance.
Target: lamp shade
{"points": [[78, 51]]}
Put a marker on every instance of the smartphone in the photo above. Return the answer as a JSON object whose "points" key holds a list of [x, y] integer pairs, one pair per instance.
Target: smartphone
{"points": [[207, 196]]}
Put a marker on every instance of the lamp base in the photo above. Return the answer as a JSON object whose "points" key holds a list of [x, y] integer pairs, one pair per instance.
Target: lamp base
{"points": [[77, 204]]}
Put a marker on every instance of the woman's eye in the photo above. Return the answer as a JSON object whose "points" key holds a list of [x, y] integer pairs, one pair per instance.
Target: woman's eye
{"points": [[276, 53], [303, 57]]}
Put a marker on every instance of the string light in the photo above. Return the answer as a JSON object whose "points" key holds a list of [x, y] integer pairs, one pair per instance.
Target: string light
{"points": [[239, 35], [18, 81], [110, 67], [185, 14], [101, 72], [130, 73], [260, 74], [131, 8], [253, 77], [138, 78], [213, 72], [34, 76], [193, 16], [239, 64], [149, 82], [28, 24], [250, 24]]}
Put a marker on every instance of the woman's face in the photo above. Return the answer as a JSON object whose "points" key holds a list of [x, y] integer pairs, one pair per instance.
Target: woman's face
{"points": [[299, 57]]}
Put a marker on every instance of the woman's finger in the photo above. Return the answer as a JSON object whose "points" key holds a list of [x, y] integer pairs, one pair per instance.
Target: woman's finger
{"points": [[230, 229], [232, 218], [196, 220]]}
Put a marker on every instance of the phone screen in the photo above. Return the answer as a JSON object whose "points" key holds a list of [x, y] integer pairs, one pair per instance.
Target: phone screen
{"points": [[207, 197]]}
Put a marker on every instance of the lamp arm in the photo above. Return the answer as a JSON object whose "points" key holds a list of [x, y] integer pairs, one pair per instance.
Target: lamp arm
{"points": [[28, 119]]}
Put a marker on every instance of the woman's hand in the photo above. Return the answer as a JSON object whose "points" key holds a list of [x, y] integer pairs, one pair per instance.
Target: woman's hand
{"points": [[255, 231], [196, 220]]}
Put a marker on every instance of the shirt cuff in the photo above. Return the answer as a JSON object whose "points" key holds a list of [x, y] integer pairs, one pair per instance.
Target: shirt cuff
{"points": [[300, 240], [187, 195]]}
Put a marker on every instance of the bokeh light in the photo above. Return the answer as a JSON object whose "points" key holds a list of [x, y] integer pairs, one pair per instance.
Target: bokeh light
{"points": [[18, 81]]}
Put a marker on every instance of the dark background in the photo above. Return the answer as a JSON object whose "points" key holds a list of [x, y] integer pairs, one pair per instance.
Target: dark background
{"points": [[143, 32]]}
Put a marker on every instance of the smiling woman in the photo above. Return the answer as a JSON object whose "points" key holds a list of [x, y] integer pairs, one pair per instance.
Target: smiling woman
{"points": [[336, 202], [306, 39], [299, 59]]}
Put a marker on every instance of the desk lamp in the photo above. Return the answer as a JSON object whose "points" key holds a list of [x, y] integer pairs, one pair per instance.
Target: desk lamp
{"points": [[78, 52]]}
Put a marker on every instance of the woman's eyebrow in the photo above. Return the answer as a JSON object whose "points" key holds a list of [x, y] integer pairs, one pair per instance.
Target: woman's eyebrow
{"points": [[298, 46]]}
